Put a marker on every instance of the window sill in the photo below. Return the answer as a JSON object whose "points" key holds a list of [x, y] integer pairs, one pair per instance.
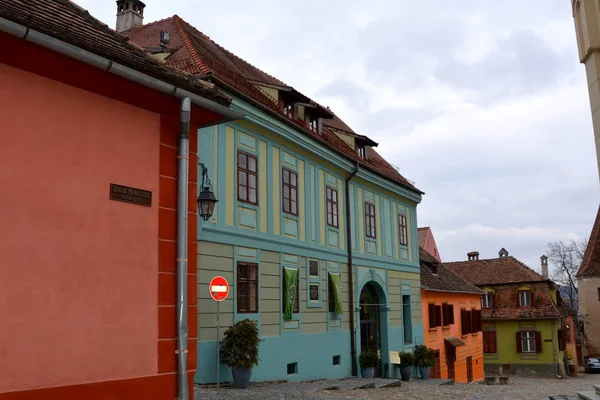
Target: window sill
{"points": [[433, 329]]}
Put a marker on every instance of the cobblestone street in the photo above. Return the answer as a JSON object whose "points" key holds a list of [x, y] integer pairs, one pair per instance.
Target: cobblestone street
{"points": [[517, 388]]}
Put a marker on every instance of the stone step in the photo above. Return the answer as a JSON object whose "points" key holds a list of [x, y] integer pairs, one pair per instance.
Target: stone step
{"points": [[597, 388], [588, 395]]}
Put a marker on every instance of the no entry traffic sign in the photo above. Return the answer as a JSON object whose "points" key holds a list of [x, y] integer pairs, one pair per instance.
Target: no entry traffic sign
{"points": [[218, 288]]}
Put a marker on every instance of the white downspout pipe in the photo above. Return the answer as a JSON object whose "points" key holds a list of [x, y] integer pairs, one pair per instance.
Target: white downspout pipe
{"points": [[182, 249]]}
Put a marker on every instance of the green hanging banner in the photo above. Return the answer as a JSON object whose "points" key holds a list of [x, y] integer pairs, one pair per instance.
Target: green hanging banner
{"points": [[336, 288], [291, 284]]}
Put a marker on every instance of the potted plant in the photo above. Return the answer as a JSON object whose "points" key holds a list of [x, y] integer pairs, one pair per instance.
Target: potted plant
{"points": [[424, 359], [368, 361], [406, 363], [239, 350]]}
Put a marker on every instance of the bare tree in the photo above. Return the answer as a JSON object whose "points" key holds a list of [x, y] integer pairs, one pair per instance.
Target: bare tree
{"points": [[566, 259]]}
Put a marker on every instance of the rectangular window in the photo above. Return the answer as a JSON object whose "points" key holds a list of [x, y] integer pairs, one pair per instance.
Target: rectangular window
{"points": [[362, 152], [247, 178], [402, 230], [447, 314], [528, 342], [524, 298], [470, 321], [407, 319], [370, 219], [332, 206], [489, 342], [313, 268], [435, 318], [247, 288], [313, 292], [290, 191], [487, 300]]}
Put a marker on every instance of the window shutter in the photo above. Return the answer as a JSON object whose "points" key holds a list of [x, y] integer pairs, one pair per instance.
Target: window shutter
{"points": [[463, 321], [493, 342], [532, 298], [538, 342], [470, 321], [432, 316], [451, 313], [561, 339], [493, 300], [444, 314], [438, 315], [518, 302], [476, 320], [519, 346]]}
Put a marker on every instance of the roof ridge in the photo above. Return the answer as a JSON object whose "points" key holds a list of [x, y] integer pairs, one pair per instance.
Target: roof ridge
{"points": [[189, 46], [229, 52], [148, 24], [527, 266]]}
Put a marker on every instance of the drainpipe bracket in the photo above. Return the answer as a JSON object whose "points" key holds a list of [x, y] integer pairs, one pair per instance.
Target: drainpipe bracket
{"points": [[181, 351]]}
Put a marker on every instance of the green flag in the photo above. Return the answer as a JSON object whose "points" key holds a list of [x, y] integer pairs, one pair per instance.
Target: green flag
{"points": [[336, 288], [291, 284]]}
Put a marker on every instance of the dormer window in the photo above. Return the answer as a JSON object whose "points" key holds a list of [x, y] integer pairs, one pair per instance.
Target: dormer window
{"points": [[312, 122], [289, 110], [362, 152], [525, 298]]}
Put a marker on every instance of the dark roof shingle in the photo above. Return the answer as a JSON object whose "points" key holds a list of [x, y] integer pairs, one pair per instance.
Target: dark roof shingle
{"points": [[590, 264], [66, 21], [445, 280]]}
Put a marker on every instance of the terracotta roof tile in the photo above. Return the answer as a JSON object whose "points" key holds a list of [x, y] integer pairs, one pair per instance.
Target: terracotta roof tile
{"points": [[445, 280], [495, 271], [506, 303], [423, 233], [66, 21], [590, 265], [211, 58]]}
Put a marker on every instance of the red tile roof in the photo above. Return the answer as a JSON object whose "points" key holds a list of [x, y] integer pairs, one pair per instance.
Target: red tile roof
{"points": [[590, 264], [495, 271], [506, 303], [423, 234], [66, 21], [200, 55]]}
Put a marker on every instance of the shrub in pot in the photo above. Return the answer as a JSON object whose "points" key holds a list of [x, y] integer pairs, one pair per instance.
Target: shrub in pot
{"points": [[239, 350], [424, 359], [406, 363], [368, 361]]}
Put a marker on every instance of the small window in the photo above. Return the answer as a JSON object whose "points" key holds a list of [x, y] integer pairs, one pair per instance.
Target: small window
{"points": [[362, 152], [435, 316], [313, 268], [487, 300], [290, 191], [525, 298], [528, 342], [292, 368], [247, 178], [447, 314], [489, 342], [337, 360], [370, 220], [402, 230], [406, 319], [332, 206], [313, 292], [247, 288]]}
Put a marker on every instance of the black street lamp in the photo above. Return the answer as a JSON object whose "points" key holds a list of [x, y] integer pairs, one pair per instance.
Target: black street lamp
{"points": [[206, 199]]}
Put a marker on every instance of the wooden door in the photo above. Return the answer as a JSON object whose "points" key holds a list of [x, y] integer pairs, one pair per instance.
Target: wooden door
{"points": [[435, 371], [469, 369], [450, 359]]}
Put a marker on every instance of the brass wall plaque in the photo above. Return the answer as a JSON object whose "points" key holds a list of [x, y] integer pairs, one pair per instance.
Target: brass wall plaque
{"points": [[130, 195]]}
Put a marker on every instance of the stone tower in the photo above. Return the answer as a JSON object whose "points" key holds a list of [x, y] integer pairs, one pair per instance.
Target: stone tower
{"points": [[587, 28], [130, 13]]}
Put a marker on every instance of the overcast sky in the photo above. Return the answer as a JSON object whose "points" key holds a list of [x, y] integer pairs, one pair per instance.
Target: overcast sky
{"points": [[482, 103]]}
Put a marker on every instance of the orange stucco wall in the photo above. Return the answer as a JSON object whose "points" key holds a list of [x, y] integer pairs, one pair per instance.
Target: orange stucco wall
{"points": [[434, 338], [78, 272]]}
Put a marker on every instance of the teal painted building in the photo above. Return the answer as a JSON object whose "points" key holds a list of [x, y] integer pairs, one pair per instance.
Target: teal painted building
{"points": [[298, 191]]}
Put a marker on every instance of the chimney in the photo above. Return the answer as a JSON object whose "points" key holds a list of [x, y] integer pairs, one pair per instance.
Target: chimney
{"points": [[544, 266], [503, 253], [473, 255], [130, 13]]}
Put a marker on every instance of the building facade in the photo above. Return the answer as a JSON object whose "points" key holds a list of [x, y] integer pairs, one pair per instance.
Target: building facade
{"points": [[302, 197], [451, 321], [586, 14], [427, 242], [521, 320], [88, 186]]}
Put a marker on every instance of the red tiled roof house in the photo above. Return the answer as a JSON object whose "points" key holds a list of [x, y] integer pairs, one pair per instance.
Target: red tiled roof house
{"points": [[89, 191], [521, 320]]}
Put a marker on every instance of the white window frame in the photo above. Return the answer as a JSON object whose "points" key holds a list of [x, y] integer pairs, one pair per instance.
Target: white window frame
{"points": [[528, 342], [486, 300], [525, 298]]}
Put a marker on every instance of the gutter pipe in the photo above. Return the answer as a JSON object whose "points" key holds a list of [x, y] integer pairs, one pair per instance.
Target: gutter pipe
{"points": [[58, 46], [351, 272], [182, 249]]}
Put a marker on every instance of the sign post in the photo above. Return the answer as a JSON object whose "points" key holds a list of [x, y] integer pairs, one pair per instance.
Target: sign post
{"points": [[219, 290]]}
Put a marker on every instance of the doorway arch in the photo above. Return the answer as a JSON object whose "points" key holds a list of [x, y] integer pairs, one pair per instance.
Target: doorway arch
{"points": [[373, 332]]}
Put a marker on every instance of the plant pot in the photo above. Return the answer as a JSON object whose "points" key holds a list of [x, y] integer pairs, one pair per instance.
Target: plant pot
{"points": [[405, 373], [241, 377], [367, 372], [424, 371]]}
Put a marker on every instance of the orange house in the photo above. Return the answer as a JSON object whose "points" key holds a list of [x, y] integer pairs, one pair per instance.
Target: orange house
{"points": [[95, 233], [451, 322]]}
